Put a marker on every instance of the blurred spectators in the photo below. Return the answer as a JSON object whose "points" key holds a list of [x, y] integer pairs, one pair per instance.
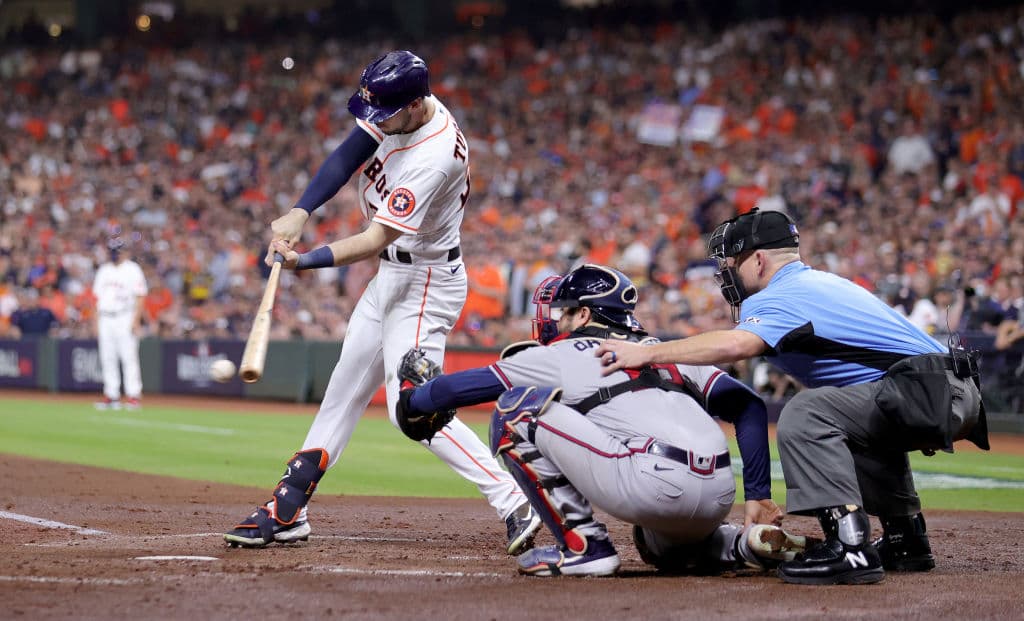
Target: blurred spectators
{"points": [[894, 142]]}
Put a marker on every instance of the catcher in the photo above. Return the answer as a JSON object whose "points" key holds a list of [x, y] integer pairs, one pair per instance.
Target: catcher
{"points": [[639, 444]]}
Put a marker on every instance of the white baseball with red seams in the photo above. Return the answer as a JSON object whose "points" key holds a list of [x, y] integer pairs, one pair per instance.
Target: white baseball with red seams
{"points": [[417, 183], [222, 370]]}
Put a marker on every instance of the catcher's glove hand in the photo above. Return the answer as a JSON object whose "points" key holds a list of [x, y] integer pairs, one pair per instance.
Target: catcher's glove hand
{"points": [[414, 370]]}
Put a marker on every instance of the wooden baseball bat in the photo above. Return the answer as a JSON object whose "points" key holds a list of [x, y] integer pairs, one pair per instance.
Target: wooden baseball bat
{"points": [[255, 354]]}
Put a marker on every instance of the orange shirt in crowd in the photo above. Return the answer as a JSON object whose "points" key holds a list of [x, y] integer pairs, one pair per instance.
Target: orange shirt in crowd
{"points": [[746, 198], [487, 291], [157, 301]]}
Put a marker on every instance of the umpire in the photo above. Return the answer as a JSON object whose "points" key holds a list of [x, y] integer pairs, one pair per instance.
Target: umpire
{"points": [[878, 387]]}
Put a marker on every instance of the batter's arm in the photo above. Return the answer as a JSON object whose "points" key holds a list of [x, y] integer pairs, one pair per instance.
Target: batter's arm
{"points": [[351, 249]]}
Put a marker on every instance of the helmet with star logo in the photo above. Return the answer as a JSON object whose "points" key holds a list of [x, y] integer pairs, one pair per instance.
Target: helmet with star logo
{"points": [[389, 84]]}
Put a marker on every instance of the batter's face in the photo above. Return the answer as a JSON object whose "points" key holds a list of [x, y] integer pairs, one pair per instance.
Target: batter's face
{"points": [[405, 121]]}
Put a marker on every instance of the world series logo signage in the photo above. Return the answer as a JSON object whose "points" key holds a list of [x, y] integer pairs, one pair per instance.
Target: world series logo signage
{"points": [[186, 366], [18, 363]]}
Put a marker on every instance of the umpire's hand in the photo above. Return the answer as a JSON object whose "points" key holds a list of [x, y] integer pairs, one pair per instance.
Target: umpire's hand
{"points": [[617, 355]]}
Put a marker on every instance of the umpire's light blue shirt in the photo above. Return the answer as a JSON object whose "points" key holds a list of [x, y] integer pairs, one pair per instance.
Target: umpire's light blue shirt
{"points": [[827, 331]]}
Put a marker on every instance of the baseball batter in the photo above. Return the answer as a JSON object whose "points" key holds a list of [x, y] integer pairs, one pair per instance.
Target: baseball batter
{"points": [[413, 186], [639, 445], [119, 287]]}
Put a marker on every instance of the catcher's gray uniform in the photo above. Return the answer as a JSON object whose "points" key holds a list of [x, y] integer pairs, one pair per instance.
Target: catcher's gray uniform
{"points": [[626, 455]]}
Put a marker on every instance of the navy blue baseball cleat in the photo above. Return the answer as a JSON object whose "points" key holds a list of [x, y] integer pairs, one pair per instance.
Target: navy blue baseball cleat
{"points": [[260, 529], [599, 558], [522, 524]]}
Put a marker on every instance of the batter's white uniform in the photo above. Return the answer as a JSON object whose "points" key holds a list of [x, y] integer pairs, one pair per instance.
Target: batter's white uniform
{"points": [[416, 183], [606, 456], [119, 289]]}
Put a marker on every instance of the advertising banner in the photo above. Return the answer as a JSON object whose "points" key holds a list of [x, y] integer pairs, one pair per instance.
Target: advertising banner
{"points": [[78, 366], [186, 366], [18, 363]]}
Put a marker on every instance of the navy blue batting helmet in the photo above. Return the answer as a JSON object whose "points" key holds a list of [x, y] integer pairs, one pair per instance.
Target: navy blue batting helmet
{"points": [[608, 293], [389, 84]]}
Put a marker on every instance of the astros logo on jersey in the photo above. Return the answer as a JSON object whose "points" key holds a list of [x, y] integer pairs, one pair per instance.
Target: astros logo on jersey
{"points": [[401, 202]]}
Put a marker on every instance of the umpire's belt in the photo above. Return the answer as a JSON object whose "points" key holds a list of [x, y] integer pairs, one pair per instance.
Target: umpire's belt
{"points": [[698, 463], [402, 256]]}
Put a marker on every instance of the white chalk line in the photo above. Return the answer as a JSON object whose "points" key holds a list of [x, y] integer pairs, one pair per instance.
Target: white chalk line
{"points": [[111, 537], [51, 524], [430, 573], [90, 581], [137, 422]]}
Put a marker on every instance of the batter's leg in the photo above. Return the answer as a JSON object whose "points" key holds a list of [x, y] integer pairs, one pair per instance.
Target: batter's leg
{"points": [[356, 377], [423, 318]]}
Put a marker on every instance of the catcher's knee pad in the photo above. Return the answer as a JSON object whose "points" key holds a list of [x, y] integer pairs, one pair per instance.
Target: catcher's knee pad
{"points": [[513, 406], [305, 469]]}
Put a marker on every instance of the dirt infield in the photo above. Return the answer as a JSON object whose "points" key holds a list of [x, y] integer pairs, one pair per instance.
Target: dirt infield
{"points": [[409, 559]]}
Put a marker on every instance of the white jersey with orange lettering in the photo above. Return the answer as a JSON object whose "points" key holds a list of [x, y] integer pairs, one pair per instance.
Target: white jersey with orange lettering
{"points": [[417, 183]]}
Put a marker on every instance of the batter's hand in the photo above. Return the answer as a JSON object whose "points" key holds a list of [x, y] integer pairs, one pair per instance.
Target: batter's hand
{"points": [[286, 229], [617, 355], [290, 256], [761, 512]]}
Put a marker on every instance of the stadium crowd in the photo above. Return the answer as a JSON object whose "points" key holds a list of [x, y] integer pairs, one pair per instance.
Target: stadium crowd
{"points": [[897, 144]]}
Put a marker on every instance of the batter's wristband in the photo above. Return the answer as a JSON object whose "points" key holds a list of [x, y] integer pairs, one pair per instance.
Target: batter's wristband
{"points": [[321, 257]]}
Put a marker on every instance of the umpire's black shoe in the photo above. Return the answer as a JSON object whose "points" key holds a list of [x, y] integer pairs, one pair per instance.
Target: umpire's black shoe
{"points": [[904, 545], [831, 562], [845, 557]]}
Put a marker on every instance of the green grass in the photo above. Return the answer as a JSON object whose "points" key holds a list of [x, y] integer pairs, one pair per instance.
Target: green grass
{"points": [[250, 449]]}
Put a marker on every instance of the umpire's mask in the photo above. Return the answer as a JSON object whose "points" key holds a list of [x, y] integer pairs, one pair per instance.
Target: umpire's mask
{"points": [[751, 231]]}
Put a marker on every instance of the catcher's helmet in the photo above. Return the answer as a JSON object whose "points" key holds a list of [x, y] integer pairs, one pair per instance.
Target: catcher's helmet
{"points": [[607, 292], [389, 84]]}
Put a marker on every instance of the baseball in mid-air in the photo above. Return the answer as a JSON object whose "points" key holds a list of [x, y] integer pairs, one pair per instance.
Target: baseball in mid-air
{"points": [[222, 370]]}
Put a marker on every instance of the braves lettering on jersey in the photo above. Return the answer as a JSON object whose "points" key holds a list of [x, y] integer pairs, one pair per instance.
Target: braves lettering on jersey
{"points": [[408, 173], [827, 331]]}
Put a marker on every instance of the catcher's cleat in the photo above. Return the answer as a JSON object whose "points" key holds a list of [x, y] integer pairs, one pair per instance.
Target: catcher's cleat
{"points": [[598, 558], [763, 546], [260, 530], [522, 529], [904, 545]]}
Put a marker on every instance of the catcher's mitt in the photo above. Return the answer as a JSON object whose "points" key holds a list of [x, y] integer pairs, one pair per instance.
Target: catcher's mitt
{"points": [[414, 370]]}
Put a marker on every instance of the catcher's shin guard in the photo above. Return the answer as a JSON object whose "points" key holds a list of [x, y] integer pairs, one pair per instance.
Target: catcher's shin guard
{"points": [[523, 404]]}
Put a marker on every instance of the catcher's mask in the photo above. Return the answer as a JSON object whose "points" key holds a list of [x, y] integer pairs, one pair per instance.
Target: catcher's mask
{"points": [[608, 293], [751, 231], [545, 329]]}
